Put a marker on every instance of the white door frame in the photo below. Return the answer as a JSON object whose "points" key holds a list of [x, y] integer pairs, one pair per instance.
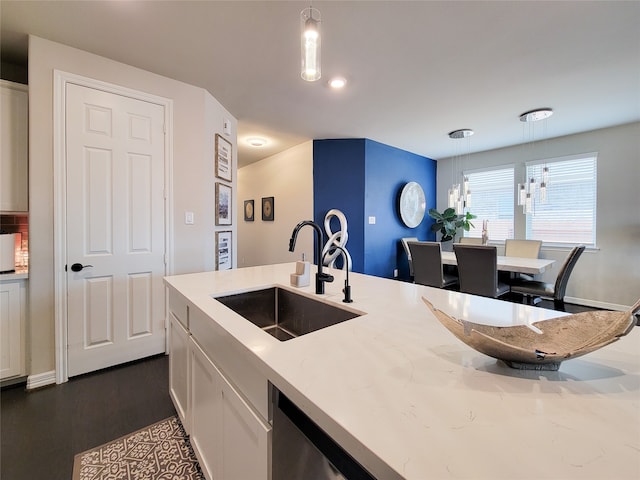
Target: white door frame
{"points": [[60, 81]]}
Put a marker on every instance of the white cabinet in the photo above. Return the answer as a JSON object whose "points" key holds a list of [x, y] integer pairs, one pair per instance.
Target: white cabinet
{"points": [[230, 440], [224, 414], [206, 412], [14, 141], [12, 328], [246, 439], [179, 370]]}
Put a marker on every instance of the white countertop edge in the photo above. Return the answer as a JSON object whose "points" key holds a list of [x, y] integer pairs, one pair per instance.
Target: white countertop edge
{"points": [[17, 275]]}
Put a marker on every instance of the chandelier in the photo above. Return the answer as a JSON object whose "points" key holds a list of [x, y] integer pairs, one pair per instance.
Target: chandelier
{"points": [[460, 194], [534, 187]]}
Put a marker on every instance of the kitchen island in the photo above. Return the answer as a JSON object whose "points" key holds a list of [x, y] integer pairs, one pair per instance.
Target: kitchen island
{"points": [[407, 399]]}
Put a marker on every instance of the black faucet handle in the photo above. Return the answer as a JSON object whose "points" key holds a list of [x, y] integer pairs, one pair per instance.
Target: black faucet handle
{"points": [[325, 277]]}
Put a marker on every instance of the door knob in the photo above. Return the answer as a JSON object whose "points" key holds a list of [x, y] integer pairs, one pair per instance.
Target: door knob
{"points": [[76, 267]]}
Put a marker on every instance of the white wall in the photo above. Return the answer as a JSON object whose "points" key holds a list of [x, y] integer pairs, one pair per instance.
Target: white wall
{"points": [[196, 117], [215, 116], [288, 177], [608, 276]]}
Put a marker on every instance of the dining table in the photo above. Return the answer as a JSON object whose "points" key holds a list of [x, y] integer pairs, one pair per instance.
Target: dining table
{"points": [[531, 266]]}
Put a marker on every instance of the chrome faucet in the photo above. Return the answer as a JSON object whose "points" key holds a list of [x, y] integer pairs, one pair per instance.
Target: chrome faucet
{"points": [[321, 278], [347, 289]]}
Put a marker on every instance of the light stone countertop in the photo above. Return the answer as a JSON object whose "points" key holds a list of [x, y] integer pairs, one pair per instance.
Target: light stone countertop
{"points": [[408, 400], [20, 273]]}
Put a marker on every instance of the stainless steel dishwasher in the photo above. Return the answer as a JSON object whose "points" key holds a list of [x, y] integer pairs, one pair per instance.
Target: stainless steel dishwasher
{"points": [[303, 451]]}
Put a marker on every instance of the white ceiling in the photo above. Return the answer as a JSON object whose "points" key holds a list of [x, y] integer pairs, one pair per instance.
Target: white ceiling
{"points": [[416, 70]]}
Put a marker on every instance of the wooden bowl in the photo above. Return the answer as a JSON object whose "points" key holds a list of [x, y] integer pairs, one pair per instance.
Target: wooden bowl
{"points": [[559, 339]]}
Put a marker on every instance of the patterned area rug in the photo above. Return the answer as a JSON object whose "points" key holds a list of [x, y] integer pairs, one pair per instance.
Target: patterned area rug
{"points": [[158, 452]]}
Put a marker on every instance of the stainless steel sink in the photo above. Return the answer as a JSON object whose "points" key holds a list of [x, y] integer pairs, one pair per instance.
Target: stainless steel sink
{"points": [[285, 314]]}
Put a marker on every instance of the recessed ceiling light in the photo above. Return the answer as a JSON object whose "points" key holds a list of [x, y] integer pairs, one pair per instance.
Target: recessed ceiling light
{"points": [[256, 142], [337, 82]]}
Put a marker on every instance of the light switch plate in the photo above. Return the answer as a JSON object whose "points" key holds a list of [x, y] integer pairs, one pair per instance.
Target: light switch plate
{"points": [[226, 126], [372, 220], [189, 218]]}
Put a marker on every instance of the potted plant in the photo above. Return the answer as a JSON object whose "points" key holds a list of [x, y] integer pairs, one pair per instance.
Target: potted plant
{"points": [[449, 222]]}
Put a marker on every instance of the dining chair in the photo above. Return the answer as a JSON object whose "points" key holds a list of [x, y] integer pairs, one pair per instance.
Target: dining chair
{"points": [[533, 290], [470, 241], [524, 249], [478, 270], [405, 243], [427, 265]]}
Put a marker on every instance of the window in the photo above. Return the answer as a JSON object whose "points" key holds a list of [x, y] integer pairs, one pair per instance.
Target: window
{"points": [[569, 214], [492, 200]]}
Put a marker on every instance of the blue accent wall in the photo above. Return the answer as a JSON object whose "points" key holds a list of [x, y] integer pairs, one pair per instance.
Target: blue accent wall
{"points": [[363, 179], [339, 182]]}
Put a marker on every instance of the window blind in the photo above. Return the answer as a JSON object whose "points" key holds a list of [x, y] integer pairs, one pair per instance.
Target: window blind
{"points": [[492, 200], [569, 214]]}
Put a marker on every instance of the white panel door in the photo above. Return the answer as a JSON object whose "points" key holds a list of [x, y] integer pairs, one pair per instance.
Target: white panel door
{"points": [[115, 228]]}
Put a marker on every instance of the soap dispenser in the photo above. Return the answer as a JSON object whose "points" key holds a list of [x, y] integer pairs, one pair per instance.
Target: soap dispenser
{"points": [[301, 278]]}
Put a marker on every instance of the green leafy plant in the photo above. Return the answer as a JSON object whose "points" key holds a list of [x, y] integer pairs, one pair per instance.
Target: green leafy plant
{"points": [[449, 222]]}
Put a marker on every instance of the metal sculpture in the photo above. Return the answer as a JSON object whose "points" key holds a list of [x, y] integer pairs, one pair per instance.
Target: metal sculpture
{"points": [[336, 239]]}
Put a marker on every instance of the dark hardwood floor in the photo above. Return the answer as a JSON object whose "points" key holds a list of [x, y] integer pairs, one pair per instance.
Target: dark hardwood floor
{"points": [[43, 429]]}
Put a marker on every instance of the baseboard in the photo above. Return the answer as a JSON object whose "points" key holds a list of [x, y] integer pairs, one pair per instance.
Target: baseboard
{"points": [[41, 379], [595, 304]]}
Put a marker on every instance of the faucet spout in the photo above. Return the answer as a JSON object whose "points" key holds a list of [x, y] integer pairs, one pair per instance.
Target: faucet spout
{"points": [[321, 277], [347, 288]]}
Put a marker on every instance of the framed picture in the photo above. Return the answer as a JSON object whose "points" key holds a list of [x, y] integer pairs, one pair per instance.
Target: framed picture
{"points": [[224, 158], [248, 210], [267, 209], [223, 250], [223, 204]]}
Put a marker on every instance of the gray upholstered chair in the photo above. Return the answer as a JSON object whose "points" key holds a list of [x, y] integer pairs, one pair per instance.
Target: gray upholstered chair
{"points": [[521, 248], [533, 290], [405, 241], [427, 265], [478, 270]]}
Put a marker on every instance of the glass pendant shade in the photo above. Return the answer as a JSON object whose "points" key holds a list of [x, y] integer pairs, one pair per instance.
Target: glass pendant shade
{"points": [[522, 193], [542, 192], [310, 44]]}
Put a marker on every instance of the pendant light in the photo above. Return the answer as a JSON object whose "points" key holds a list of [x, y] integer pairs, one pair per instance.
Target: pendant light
{"points": [[532, 190], [460, 194], [310, 44]]}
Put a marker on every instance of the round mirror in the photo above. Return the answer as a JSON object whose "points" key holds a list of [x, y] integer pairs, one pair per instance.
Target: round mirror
{"points": [[412, 204]]}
